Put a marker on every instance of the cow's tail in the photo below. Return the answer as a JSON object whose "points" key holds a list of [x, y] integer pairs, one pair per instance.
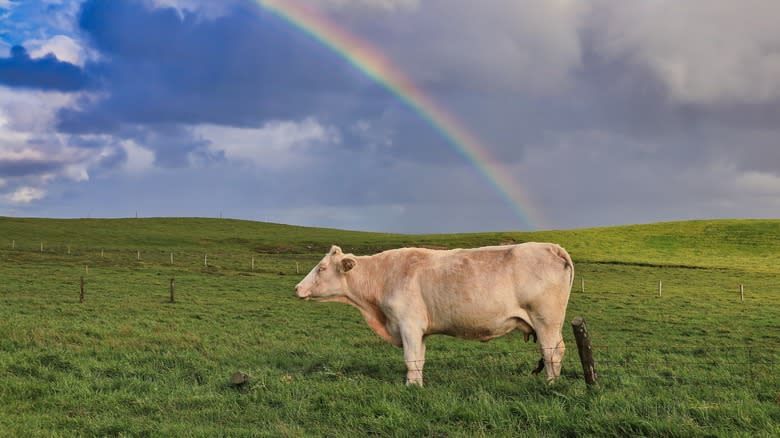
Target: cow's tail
{"points": [[568, 264]]}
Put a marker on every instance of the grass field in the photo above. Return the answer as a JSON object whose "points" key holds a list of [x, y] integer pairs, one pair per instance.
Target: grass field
{"points": [[696, 361]]}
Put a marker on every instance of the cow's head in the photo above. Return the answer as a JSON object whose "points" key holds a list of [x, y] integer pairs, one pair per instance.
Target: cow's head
{"points": [[328, 278]]}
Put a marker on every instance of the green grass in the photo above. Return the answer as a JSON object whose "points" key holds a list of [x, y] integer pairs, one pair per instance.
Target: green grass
{"points": [[695, 362]]}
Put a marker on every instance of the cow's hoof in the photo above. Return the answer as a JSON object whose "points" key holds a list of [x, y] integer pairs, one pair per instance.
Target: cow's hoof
{"points": [[415, 382]]}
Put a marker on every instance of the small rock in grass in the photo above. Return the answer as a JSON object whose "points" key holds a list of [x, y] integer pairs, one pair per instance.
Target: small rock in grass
{"points": [[239, 378]]}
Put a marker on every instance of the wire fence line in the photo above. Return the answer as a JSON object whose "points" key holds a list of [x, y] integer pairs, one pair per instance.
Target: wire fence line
{"points": [[261, 261], [279, 261]]}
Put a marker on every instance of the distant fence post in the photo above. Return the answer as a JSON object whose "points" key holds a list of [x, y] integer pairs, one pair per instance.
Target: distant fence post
{"points": [[582, 284], [173, 286], [585, 349], [81, 293], [253, 263], [205, 260], [171, 257], [742, 292], [297, 268], [41, 246], [101, 253], [660, 287], [139, 255]]}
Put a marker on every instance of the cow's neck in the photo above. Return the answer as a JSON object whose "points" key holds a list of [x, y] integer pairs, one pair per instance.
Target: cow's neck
{"points": [[362, 281], [365, 293]]}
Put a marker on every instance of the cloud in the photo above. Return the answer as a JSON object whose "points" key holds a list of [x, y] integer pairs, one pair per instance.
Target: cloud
{"points": [[759, 183], [206, 9], [46, 73], [36, 20], [64, 48], [710, 52], [25, 195], [34, 158], [370, 5], [275, 145], [26, 162], [530, 46]]}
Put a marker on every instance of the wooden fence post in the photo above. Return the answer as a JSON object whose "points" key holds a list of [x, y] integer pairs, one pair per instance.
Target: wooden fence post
{"points": [[582, 282], [101, 253], [171, 257], [660, 287], [139, 255], [742, 292], [81, 293], [173, 286], [253, 263], [585, 349], [297, 268], [205, 260]]}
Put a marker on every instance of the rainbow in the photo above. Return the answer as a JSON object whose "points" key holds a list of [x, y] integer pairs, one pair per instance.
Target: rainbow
{"points": [[371, 62]]}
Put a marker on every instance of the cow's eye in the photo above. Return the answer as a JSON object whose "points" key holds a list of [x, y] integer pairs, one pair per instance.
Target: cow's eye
{"points": [[321, 268]]}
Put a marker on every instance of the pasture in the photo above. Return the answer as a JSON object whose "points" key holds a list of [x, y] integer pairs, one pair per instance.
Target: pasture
{"points": [[696, 361]]}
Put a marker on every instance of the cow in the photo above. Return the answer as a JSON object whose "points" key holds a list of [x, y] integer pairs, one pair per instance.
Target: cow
{"points": [[408, 294]]}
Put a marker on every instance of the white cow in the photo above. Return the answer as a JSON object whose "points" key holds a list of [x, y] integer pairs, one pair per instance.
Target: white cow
{"points": [[408, 294]]}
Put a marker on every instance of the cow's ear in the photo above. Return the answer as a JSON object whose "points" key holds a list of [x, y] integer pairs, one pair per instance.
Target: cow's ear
{"points": [[335, 250], [347, 263]]}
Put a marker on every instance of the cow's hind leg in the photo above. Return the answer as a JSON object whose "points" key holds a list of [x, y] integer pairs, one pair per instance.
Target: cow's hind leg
{"points": [[553, 348], [414, 356]]}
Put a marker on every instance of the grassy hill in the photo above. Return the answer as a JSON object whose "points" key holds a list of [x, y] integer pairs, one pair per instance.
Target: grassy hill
{"points": [[695, 361], [750, 245]]}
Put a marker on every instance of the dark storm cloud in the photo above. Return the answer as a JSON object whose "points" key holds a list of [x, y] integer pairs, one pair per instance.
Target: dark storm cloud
{"points": [[46, 73], [163, 66], [28, 166], [174, 146]]}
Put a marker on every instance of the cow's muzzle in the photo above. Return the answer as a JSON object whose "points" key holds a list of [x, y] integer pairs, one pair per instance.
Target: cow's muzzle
{"points": [[302, 292]]}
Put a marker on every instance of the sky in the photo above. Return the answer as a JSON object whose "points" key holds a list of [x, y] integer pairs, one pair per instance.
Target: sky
{"points": [[596, 113]]}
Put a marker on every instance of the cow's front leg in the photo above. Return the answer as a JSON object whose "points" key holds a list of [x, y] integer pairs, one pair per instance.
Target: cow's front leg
{"points": [[414, 355]]}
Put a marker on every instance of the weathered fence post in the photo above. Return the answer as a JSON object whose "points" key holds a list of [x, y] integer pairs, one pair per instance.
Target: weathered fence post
{"points": [[101, 253], [253, 263], [139, 255], [81, 293], [582, 282], [585, 349], [86, 269], [297, 268], [173, 286], [660, 287], [742, 292], [205, 260], [171, 257]]}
